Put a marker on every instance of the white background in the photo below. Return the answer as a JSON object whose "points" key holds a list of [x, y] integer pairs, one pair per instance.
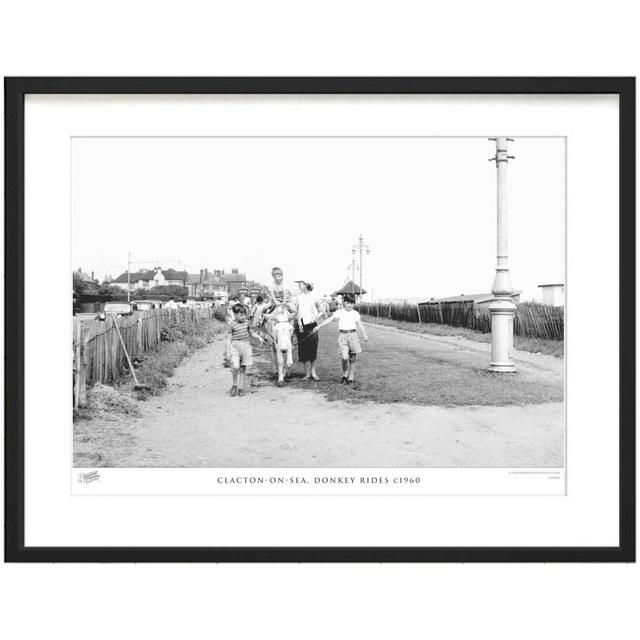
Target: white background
{"points": [[334, 38]]}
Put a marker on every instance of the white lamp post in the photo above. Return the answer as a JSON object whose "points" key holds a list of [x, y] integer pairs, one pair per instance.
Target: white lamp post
{"points": [[502, 308], [360, 247]]}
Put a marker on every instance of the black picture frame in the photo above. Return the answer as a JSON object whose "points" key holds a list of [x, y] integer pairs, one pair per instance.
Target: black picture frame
{"points": [[15, 91]]}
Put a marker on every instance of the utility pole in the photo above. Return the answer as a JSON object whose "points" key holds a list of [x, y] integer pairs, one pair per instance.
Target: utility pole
{"points": [[502, 308], [360, 247]]}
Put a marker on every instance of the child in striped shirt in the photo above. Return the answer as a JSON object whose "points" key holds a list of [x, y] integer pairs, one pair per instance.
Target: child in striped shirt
{"points": [[239, 351]]}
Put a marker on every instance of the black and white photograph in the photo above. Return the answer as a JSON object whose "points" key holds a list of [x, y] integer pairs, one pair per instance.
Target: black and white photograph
{"points": [[319, 301], [361, 319], [320, 320]]}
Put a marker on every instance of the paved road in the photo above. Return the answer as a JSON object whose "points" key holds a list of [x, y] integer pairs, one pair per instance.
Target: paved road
{"points": [[195, 423]]}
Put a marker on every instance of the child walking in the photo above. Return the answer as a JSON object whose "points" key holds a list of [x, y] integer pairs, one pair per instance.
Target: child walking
{"points": [[257, 312], [348, 342], [239, 351]]}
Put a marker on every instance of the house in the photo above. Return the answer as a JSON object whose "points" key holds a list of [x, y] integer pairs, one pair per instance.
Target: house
{"points": [[350, 287], [255, 289], [207, 285], [552, 294], [147, 279], [235, 281], [85, 281], [479, 299]]}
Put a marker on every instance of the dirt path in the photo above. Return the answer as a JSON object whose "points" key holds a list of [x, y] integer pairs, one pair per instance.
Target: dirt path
{"points": [[195, 423]]}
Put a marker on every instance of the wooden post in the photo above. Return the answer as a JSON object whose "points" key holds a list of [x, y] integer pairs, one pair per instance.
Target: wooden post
{"points": [[77, 328], [115, 345], [418, 308], [82, 400], [99, 356], [142, 321]]}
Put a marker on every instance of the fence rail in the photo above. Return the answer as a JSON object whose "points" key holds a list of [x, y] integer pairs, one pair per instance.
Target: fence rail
{"points": [[98, 356], [531, 320]]}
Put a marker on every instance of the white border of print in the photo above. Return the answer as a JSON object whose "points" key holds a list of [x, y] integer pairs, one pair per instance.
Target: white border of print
{"points": [[321, 481], [56, 518]]}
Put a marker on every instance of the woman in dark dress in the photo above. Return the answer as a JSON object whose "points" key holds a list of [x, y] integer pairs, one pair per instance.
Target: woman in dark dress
{"points": [[307, 313]]}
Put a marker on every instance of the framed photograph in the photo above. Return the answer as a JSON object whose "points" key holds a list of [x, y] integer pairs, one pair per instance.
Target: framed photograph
{"points": [[320, 319]]}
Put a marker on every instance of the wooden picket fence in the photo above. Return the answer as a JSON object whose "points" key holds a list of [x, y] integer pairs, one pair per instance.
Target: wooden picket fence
{"points": [[532, 319], [98, 356]]}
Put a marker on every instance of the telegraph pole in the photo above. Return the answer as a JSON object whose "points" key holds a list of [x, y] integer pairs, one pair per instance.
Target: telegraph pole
{"points": [[502, 308], [360, 247]]}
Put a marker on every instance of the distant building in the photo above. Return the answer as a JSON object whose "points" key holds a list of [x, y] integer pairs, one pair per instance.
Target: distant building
{"points": [[147, 279], [552, 294], [352, 288], [207, 284], [479, 299], [256, 289], [86, 281], [235, 281]]}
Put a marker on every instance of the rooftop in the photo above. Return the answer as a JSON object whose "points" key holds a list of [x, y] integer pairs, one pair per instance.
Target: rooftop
{"points": [[148, 274], [349, 287]]}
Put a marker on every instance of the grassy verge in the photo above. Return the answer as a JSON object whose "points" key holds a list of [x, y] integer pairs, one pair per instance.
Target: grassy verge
{"points": [[153, 368], [104, 425], [533, 345], [394, 369]]}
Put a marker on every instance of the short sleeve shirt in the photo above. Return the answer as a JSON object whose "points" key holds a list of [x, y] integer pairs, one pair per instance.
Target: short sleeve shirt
{"points": [[283, 291], [307, 308], [239, 330], [346, 319]]}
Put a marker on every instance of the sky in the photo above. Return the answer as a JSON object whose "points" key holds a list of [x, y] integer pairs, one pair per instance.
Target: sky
{"points": [[426, 207]]}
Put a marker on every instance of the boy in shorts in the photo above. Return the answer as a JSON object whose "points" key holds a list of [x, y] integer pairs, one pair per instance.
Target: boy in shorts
{"points": [[348, 342], [239, 352]]}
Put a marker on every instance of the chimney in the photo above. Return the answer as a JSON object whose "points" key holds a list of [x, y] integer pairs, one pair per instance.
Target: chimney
{"points": [[206, 274], [200, 276], [92, 275]]}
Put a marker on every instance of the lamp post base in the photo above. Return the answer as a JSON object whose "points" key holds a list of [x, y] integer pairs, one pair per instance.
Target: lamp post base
{"points": [[497, 367], [502, 311]]}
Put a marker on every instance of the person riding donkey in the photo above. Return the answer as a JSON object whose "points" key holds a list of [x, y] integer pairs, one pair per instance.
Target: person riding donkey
{"points": [[280, 297], [282, 328]]}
